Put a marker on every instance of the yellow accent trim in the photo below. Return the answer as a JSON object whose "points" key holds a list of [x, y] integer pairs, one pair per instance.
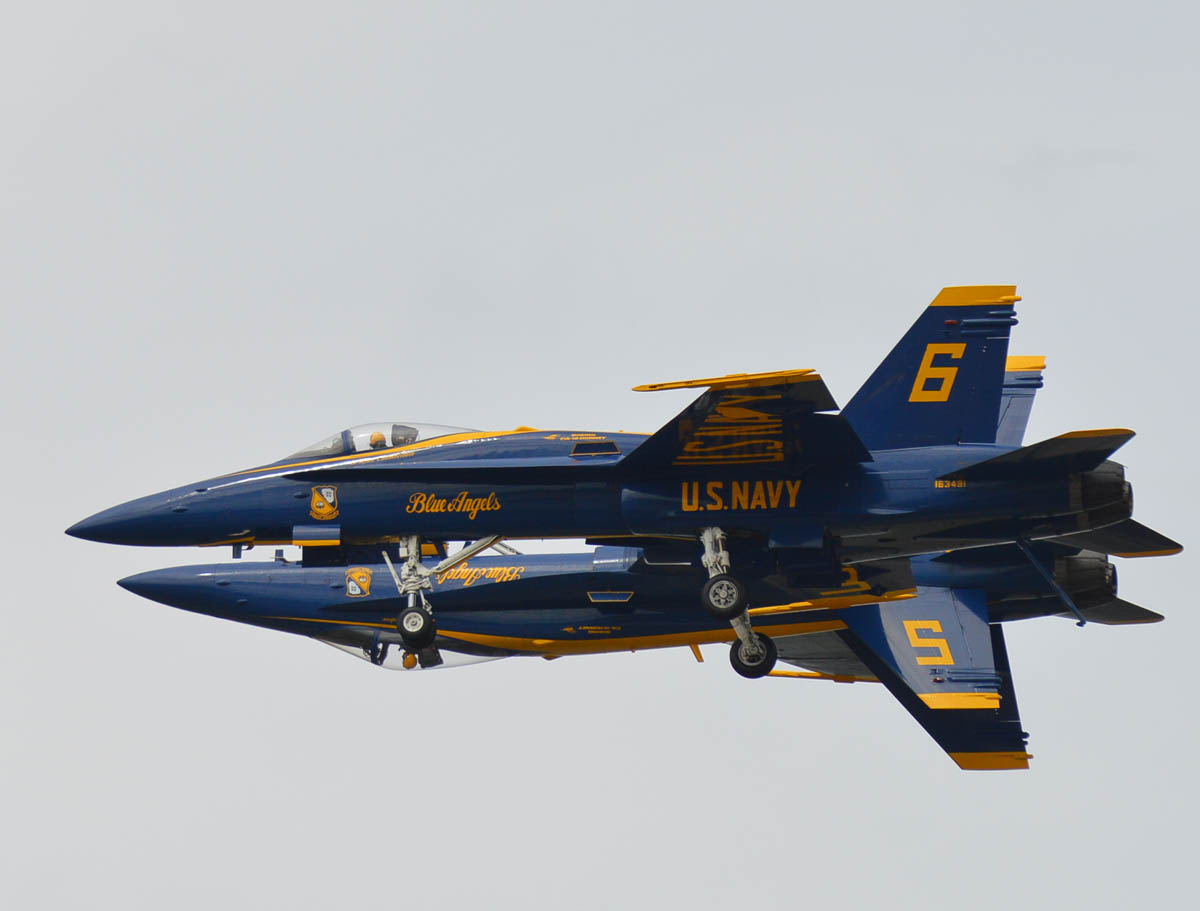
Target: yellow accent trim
{"points": [[976, 296], [817, 675], [1152, 553], [696, 651], [737, 381], [387, 454], [961, 700], [632, 643], [1020, 362], [249, 539], [996, 760], [324, 542], [850, 600], [1106, 432]]}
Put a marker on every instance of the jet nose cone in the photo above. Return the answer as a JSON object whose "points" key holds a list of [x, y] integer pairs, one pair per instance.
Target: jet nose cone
{"points": [[157, 585], [144, 521], [178, 586], [93, 528]]}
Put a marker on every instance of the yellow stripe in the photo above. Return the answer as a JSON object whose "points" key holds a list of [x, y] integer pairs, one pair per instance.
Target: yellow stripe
{"points": [[321, 542], [817, 675], [384, 454], [737, 381], [1021, 362], [902, 594], [976, 296], [632, 643], [1107, 432], [961, 700], [997, 760], [1151, 553]]}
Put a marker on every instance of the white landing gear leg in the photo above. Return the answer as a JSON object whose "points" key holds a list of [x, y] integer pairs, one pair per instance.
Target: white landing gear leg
{"points": [[724, 597], [415, 622]]}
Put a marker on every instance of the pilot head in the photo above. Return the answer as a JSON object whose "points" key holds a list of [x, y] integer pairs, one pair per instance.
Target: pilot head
{"points": [[378, 440]]}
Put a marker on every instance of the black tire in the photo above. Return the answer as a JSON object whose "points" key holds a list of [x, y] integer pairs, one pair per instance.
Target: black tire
{"points": [[760, 667], [417, 628], [724, 597]]}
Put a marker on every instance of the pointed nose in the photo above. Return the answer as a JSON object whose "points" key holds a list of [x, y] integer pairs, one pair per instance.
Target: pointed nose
{"points": [[145, 521], [105, 526], [166, 586], [204, 589]]}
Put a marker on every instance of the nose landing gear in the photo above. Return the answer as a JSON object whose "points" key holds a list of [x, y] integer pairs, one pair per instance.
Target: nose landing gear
{"points": [[415, 622], [752, 654]]}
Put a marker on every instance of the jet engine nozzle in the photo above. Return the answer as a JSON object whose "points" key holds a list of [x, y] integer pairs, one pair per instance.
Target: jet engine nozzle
{"points": [[1104, 486], [1088, 578]]}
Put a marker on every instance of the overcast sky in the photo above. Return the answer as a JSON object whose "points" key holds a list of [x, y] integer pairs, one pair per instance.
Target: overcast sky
{"points": [[228, 232]]}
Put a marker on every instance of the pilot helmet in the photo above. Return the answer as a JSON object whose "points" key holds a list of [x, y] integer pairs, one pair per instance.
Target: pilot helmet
{"points": [[378, 440]]}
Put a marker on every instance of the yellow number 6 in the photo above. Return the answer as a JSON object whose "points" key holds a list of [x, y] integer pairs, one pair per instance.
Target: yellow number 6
{"points": [[928, 372]]}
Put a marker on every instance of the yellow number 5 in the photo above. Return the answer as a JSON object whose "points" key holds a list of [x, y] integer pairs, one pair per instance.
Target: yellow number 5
{"points": [[929, 372], [913, 627]]}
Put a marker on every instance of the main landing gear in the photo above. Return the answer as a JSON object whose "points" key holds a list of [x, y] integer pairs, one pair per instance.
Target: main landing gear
{"points": [[415, 622], [724, 597]]}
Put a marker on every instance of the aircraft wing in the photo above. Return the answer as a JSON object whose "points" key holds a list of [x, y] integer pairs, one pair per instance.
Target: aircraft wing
{"points": [[743, 419], [938, 655]]}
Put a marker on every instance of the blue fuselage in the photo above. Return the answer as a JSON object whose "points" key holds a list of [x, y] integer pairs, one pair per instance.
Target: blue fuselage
{"points": [[528, 485]]}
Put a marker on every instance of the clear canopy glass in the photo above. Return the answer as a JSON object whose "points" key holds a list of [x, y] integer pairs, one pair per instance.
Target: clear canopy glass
{"points": [[374, 437]]}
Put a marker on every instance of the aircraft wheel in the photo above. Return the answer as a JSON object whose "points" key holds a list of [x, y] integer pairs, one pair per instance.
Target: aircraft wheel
{"points": [[417, 628], [761, 665], [724, 597]]}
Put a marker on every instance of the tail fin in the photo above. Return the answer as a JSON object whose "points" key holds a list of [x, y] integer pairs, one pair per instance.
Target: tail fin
{"points": [[942, 382], [949, 668], [1022, 380]]}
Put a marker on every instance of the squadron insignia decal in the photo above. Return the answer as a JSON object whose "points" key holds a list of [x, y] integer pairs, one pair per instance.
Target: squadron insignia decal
{"points": [[324, 502], [358, 582]]}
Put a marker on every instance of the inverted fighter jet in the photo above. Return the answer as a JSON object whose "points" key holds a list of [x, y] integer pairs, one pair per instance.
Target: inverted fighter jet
{"points": [[938, 646], [758, 472]]}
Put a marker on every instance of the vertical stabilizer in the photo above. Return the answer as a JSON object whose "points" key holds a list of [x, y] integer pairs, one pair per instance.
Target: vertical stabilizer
{"points": [[943, 381], [1022, 380]]}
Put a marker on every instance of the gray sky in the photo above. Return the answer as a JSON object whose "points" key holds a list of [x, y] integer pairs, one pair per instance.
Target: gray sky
{"points": [[228, 232]]}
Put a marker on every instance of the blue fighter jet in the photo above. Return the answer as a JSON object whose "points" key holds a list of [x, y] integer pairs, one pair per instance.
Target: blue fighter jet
{"points": [[757, 472], [933, 638]]}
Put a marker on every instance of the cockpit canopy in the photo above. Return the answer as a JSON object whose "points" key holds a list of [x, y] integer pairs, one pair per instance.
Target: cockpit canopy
{"points": [[370, 437]]}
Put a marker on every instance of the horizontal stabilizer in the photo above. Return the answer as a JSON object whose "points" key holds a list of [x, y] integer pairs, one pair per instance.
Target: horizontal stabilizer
{"points": [[1118, 613], [1077, 451], [743, 419], [948, 667], [1125, 539]]}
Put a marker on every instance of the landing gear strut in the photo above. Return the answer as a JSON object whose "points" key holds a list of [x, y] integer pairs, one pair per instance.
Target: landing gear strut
{"points": [[415, 622], [724, 597]]}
